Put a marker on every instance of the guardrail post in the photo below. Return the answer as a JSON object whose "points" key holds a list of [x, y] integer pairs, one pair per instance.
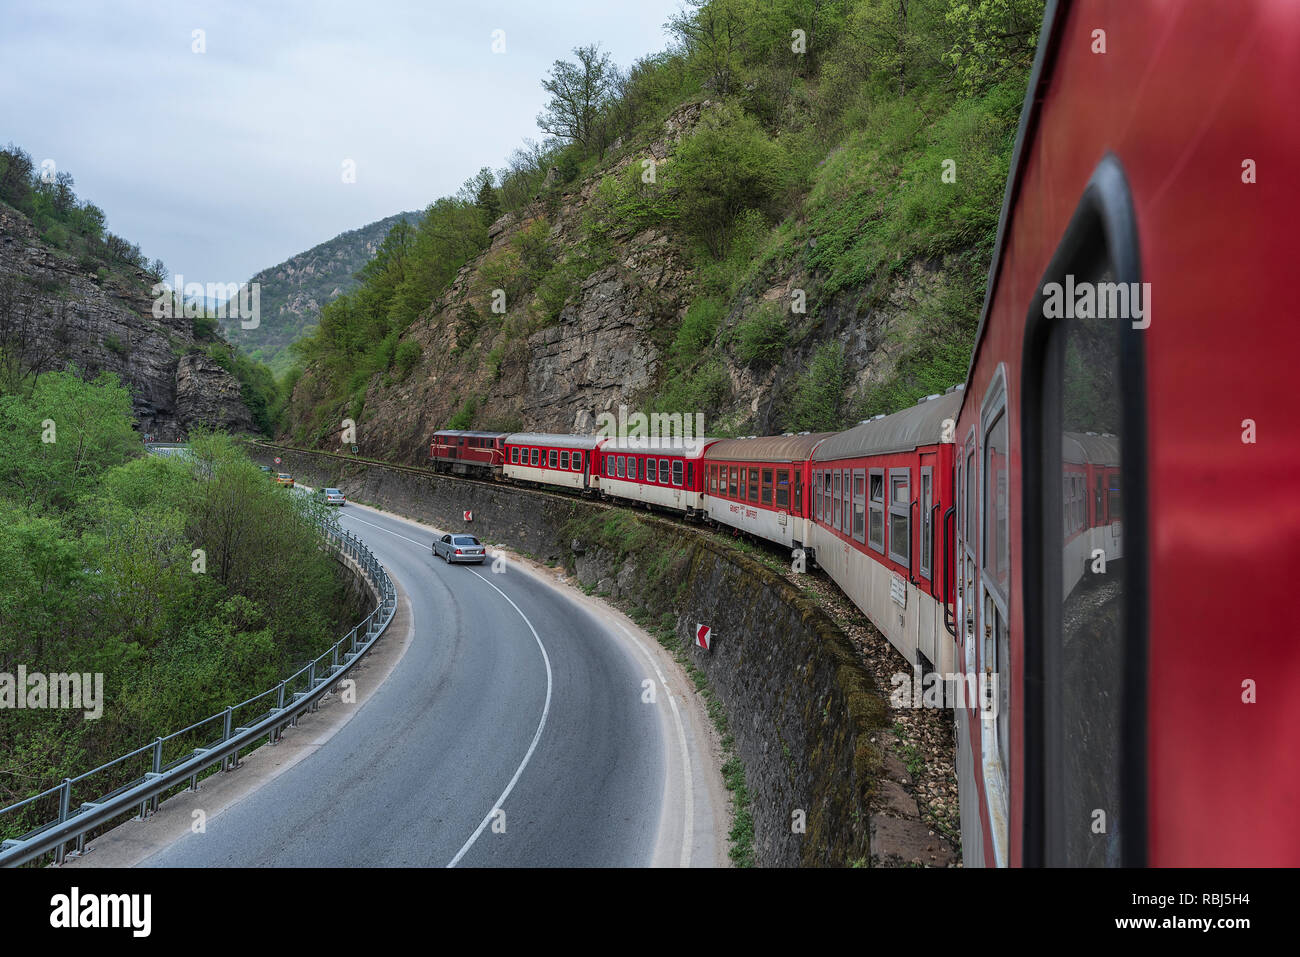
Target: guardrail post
{"points": [[311, 681], [65, 802], [157, 769], [225, 736]]}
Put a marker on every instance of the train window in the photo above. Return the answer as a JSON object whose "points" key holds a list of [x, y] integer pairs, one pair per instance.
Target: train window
{"points": [[876, 509], [753, 485], [620, 465], [535, 454], [731, 482], [836, 504], [798, 492], [564, 460], [900, 519], [651, 469], [578, 460], [553, 458], [677, 471], [766, 488], [783, 489], [514, 455], [663, 471], [1085, 786], [860, 505], [927, 528], [817, 494], [690, 474]]}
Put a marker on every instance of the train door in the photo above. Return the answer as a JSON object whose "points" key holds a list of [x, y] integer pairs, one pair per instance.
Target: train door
{"points": [[927, 611], [994, 599]]}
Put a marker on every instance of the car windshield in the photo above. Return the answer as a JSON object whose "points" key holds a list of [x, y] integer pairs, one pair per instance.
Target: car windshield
{"points": [[466, 540], [332, 491], [282, 475]]}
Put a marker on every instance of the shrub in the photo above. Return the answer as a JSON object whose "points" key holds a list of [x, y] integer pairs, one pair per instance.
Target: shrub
{"points": [[406, 357], [762, 337], [727, 166]]}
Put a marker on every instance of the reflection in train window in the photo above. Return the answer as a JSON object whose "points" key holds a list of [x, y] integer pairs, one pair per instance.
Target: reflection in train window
{"points": [[1088, 659]]}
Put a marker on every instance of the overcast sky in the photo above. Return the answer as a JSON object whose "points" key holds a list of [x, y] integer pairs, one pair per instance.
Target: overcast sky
{"points": [[228, 161]]}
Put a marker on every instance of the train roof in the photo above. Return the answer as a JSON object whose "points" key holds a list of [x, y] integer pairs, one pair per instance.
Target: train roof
{"points": [[553, 440], [921, 424], [472, 435], [1090, 448], [767, 448]]}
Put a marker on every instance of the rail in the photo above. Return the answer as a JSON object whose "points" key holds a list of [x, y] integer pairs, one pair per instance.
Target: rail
{"points": [[228, 732]]}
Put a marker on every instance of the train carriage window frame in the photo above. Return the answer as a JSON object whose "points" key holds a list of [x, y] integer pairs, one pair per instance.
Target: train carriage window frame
{"points": [[765, 488], [677, 472], [901, 510], [836, 500], [663, 471], [552, 459], [782, 496], [860, 505], [564, 459], [876, 509], [926, 495], [1103, 232], [534, 457]]}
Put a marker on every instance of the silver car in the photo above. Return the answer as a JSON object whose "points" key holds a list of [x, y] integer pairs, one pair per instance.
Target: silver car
{"points": [[460, 548], [333, 496]]}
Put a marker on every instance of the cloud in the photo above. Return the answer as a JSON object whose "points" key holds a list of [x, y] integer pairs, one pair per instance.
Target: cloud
{"points": [[229, 161]]}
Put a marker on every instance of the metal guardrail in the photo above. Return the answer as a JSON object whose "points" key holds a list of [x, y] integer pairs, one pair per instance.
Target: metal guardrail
{"points": [[236, 728]]}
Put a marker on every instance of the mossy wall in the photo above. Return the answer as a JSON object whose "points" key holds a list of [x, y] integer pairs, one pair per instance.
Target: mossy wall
{"points": [[798, 701]]}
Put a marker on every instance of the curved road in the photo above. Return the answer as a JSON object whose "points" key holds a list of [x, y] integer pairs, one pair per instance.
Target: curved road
{"points": [[509, 686]]}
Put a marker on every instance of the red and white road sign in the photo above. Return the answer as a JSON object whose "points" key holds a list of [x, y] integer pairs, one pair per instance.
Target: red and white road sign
{"points": [[703, 636], [469, 516], [277, 460]]}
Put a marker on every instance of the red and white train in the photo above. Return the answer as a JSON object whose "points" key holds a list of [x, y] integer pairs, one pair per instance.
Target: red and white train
{"points": [[1101, 524]]}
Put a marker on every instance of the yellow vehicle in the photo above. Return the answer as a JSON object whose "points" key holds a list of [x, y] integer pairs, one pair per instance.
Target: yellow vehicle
{"points": [[284, 478]]}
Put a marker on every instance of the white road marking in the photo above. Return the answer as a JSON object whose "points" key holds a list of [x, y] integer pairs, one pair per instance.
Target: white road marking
{"points": [[546, 709], [428, 545], [688, 836]]}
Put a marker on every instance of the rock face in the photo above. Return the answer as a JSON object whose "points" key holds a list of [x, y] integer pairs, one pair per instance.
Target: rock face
{"points": [[553, 356], [55, 314], [208, 395]]}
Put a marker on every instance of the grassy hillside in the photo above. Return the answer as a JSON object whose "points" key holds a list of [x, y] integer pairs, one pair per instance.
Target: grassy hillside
{"points": [[820, 178]]}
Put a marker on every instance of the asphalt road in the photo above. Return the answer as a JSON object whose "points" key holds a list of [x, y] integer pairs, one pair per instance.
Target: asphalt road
{"points": [[510, 698]]}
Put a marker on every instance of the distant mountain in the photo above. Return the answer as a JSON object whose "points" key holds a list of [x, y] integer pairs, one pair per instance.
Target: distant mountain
{"points": [[293, 292]]}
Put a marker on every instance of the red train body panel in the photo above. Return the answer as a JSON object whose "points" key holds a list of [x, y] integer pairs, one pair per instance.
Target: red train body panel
{"points": [[1134, 165]]}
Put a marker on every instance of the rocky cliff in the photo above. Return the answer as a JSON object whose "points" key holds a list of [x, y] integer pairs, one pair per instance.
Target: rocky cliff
{"points": [[509, 346], [55, 313]]}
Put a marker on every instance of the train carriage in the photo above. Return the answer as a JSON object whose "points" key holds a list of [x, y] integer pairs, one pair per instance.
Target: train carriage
{"points": [[655, 471], [563, 461], [759, 486], [1127, 729], [880, 491]]}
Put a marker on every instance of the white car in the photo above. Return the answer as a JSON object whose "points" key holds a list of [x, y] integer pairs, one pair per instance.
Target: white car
{"points": [[334, 497]]}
